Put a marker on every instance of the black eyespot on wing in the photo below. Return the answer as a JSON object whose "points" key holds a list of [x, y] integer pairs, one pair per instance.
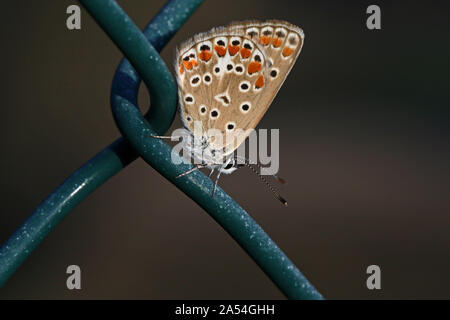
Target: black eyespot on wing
{"points": [[239, 69], [273, 73], [247, 46], [202, 109], [216, 69], [230, 126], [258, 58], [267, 33], [192, 55], [188, 99], [252, 34], [204, 47], [224, 99], [220, 43], [186, 58], [195, 80], [280, 34], [244, 86], [229, 67], [245, 107], [292, 41], [207, 78], [214, 114], [235, 42]]}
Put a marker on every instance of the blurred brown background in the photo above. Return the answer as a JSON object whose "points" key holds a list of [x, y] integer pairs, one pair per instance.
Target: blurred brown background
{"points": [[364, 125]]}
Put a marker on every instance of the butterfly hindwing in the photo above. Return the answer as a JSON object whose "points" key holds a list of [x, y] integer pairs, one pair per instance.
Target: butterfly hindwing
{"points": [[229, 76]]}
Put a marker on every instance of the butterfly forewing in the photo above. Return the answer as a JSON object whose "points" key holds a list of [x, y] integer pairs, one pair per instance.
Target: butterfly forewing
{"points": [[229, 76]]}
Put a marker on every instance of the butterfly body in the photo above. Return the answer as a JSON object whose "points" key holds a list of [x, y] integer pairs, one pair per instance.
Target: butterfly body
{"points": [[199, 148], [227, 79]]}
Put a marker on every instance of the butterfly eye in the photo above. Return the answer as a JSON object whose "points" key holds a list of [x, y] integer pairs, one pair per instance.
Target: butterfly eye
{"points": [[228, 166], [244, 86], [245, 107]]}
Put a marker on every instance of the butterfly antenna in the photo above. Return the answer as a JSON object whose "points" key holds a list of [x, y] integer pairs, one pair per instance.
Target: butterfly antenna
{"points": [[278, 178], [274, 191]]}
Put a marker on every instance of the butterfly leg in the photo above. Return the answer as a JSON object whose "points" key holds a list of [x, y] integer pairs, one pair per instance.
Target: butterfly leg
{"points": [[164, 137], [199, 166], [210, 174], [215, 183]]}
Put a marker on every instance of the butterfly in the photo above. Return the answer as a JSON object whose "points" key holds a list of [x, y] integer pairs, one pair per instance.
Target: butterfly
{"points": [[227, 78]]}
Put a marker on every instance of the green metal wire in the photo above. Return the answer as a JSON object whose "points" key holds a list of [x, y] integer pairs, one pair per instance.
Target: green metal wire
{"points": [[107, 162], [135, 128]]}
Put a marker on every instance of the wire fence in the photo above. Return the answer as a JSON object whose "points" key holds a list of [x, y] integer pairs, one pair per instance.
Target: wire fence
{"points": [[143, 62]]}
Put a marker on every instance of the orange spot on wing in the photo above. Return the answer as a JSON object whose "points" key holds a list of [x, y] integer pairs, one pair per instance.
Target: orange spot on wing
{"points": [[233, 49], [188, 64], [254, 67], [245, 53], [260, 82], [264, 40], [220, 50], [194, 62], [205, 55], [277, 42], [287, 51], [181, 69]]}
